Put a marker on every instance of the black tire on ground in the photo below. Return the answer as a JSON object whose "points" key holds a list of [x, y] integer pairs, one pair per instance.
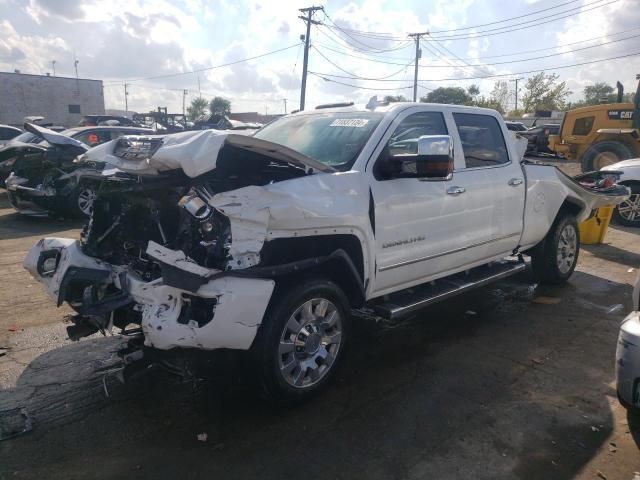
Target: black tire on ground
{"points": [[77, 204], [554, 259], [604, 153], [627, 213], [277, 346]]}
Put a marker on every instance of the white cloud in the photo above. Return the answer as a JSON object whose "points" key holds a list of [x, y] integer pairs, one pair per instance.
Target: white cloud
{"points": [[126, 40]]}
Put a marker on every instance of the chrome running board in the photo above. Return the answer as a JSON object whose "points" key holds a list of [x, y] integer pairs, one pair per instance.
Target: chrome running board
{"points": [[400, 304]]}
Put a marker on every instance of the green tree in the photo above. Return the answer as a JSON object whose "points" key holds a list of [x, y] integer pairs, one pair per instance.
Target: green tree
{"points": [[544, 92], [594, 94], [473, 91], [450, 95], [395, 98], [197, 108], [490, 102], [501, 95], [220, 106]]}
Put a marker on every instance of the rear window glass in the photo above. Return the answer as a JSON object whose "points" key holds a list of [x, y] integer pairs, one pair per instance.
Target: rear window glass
{"points": [[583, 126], [482, 140]]}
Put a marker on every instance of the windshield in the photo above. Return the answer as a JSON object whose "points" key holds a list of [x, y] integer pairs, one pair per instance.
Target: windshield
{"points": [[334, 139]]}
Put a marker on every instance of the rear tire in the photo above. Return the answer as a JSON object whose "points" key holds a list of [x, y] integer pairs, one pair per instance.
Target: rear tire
{"points": [[627, 213], [80, 201], [605, 153], [554, 259], [301, 341]]}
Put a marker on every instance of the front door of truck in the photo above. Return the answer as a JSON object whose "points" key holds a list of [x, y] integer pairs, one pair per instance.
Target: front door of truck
{"points": [[420, 229]]}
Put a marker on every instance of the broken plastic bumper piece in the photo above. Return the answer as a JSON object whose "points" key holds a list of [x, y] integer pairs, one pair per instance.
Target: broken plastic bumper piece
{"points": [[188, 306]]}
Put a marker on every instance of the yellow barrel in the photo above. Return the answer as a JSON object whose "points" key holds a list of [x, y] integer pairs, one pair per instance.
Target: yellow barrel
{"points": [[595, 227]]}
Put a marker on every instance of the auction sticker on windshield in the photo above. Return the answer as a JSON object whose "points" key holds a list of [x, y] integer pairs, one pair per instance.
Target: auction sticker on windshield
{"points": [[349, 122]]}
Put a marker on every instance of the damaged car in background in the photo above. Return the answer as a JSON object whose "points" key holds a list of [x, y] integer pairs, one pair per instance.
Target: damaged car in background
{"points": [[208, 240], [43, 178]]}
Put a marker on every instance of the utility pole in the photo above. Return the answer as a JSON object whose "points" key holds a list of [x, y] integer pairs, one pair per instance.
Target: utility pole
{"points": [[516, 80], [416, 37], [199, 92], [309, 11], [285, 105], [53, 64], [126, 101], [184, 94], [75, 65]]}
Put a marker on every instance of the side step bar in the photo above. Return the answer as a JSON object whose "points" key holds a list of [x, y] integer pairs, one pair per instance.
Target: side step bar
{"points": [[400, 304]]}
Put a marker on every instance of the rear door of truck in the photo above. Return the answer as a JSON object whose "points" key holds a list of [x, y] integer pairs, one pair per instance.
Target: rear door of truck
{"points": [[493, 180]]}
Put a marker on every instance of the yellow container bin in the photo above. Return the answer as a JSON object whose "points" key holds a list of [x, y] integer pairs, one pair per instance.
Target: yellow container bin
{"points": [[595, 227]]}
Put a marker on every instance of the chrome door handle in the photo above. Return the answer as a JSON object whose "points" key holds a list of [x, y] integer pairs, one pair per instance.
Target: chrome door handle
{"points": [[455, 190], [514, 182]]}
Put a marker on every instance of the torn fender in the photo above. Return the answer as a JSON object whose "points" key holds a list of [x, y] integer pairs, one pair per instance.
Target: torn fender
{"points": [[339, 204], [547, 189]]}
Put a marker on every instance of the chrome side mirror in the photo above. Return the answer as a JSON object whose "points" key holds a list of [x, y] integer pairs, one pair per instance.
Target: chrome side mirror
{"points": [[435, 157]]}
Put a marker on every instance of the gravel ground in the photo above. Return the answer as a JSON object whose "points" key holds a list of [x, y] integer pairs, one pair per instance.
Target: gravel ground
{"points": [[511, 381]]}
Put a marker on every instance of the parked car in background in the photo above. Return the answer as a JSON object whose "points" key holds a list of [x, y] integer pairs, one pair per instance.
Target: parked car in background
{"points": [[628, 356], [516, 126], [7, 132], [538, 138], [628, 212], [45, 179], [90, 136]]}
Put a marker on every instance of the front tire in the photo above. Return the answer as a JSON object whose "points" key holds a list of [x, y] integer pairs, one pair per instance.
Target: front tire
{"points": [[301, 341], [604, 153], [627, 213], [554, 259], [81, 199]]}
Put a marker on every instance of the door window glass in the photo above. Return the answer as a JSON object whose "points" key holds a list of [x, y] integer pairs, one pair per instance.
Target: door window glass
{"points": [[404, 140], [483, 144]]}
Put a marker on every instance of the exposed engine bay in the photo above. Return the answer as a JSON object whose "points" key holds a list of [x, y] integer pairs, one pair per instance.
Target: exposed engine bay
{"points": [[171, 211]]}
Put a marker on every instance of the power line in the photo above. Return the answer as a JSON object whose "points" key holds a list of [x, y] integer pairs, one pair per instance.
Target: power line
{"points": [[319, 75], [431, 48], [383, 59], [208, 68], [493, 31], [496, 75], [533, 23], [356, 75], [366, 46], [504, 20], [363, 47]]}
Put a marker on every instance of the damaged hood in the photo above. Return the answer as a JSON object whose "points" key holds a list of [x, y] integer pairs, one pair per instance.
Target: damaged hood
{"points": [[195, 152], [54, 138]]}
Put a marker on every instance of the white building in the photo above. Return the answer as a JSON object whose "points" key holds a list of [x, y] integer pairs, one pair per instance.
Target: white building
{"points": [[60, 100]]}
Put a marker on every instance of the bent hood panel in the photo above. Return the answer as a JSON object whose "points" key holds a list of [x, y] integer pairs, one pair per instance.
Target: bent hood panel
{"points": [[196, 153], [52, 137]]}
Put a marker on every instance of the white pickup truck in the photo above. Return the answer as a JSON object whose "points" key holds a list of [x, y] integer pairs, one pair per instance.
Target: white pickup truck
{"points": [[270, 243]]}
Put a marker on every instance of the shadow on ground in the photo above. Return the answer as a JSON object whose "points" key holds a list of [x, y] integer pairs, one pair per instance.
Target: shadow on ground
{"points": [[15, 225], [495, 384]]}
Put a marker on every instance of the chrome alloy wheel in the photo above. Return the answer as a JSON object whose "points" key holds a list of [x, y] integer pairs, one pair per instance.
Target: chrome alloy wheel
{"points": [[86, 197], [567, 247], [309, 343], [630, 208]]}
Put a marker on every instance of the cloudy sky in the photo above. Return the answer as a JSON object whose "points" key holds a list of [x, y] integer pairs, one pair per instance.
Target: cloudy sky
{"points": [[162, 47]]}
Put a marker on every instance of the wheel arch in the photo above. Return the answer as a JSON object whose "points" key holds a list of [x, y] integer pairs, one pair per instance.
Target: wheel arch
{"points": [[338, 258]]}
